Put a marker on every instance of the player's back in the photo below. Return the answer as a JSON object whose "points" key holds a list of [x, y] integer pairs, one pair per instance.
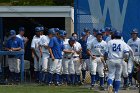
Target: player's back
{"points": [[116, 49]]}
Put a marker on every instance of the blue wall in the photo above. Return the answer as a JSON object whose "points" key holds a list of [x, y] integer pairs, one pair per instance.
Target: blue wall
{"points": [[131, 15]]}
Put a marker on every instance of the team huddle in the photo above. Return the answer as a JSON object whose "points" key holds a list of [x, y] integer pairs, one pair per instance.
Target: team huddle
{"points": [[61, 60]]}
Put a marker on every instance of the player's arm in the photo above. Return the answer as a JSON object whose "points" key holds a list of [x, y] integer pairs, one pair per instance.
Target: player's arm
{"points": [[34, 54], [51, 44], [51, 53], [16, 49]]}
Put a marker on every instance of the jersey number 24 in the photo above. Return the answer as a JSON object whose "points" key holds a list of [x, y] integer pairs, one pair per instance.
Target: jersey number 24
{"points": [[116, 47]]}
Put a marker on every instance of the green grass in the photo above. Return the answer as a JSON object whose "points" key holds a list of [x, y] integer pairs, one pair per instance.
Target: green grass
{"points": [[43, 89]]}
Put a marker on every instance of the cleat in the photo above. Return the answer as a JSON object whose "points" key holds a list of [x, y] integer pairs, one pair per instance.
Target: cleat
{"points": [[110, 89]]}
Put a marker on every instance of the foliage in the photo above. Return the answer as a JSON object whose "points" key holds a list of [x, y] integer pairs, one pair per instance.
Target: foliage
{"points": [[38, 2]]}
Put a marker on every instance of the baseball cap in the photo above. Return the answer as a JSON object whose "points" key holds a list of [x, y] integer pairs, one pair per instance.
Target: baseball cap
{"points": [[61, 33], [51, 31], [83, 34], [21, 29], [37, 29], [95, 30], [86, 30], [72, 39], [12, 32]]}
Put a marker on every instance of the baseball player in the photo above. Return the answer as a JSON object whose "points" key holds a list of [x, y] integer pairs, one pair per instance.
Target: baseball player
{"points": [[68, 65], [44, 41], [55, 49], [21, 35], [76, 59], [134, 43], [108, 34], [36, 53], [116, 50], [96, 50], [89, 36], [125, 67], [14, 44], [84, 55]]}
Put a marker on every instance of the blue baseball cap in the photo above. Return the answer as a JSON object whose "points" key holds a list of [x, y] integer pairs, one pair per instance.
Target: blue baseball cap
{"points": [[83, 34], [107, 29], [102, 30], [86, 30], [21, 29], [117, 33], [37, 29], [61, 33], [51, 31], [12, 32], [42, 28], [134, 31], [72, 39], [65, 33], [95, 30], [99, 33]]}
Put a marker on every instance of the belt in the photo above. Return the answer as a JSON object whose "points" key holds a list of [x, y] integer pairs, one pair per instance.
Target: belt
{"points": [[97, 55], [67, 58], [75, 56]]}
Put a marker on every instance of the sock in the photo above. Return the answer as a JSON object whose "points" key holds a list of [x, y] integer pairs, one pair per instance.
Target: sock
{"points": [[83, 74], [72, 78], [130, 78], [78, 78], [125, 80], [101, 81], [93, 79], [117, 86], [50, 78], [57, 78], [109, 82]]}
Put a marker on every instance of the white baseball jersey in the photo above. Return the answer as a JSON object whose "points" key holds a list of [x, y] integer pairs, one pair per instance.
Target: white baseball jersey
{"points": [[44, 41], [116, 49], [97, 48], [77, 47], [35, 43], [90, 38], [135, 45], [22, 38], [68, 47], [65, 43], [108, 38]]}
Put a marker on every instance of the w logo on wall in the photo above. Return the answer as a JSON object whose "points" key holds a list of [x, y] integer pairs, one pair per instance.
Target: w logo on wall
{"points": [[120, 14]]}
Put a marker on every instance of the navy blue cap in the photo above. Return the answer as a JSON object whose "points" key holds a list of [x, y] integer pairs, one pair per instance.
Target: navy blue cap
{"points": [[12, 32], [117, 33], [99, 33], [107, 29], [61, 33], [65, 33], [83, 34], [72, 39], [42, 28], [37, 29], [86, 30], [51, 31], [95, 30], [56, 29], [134, 31], [21, 29], [102, 30]]}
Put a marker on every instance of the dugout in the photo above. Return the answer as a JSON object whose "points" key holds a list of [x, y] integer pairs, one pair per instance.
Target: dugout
{"points": [[12, 17]]}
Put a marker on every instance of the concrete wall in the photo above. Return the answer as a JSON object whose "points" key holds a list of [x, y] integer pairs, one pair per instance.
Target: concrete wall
{"points": [[69, 26]]}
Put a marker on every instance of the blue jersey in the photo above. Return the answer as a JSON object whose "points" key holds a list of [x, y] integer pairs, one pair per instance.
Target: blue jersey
{"points": [[56, 45], [84, 49], [15, 43]]}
